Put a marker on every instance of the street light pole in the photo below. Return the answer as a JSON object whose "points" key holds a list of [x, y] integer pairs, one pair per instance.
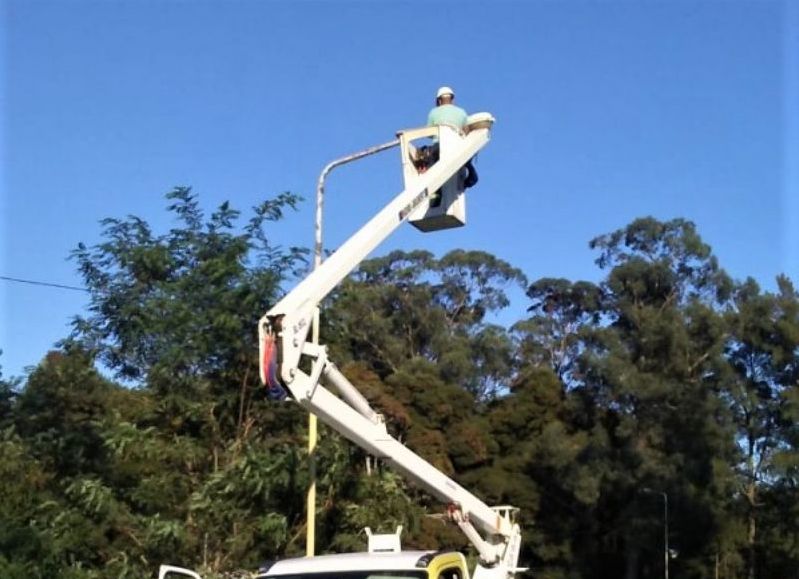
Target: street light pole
{"points": [[310, 500]]}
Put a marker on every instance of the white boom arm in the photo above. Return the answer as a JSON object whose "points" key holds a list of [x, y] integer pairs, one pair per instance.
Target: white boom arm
{"points": [[283, 333]]}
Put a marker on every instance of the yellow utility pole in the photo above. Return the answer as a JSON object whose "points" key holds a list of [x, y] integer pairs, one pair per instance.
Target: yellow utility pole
{"points": [[310, 503]]}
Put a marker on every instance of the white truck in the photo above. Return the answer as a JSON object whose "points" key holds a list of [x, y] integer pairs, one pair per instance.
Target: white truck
{"points": [[292, 366]]}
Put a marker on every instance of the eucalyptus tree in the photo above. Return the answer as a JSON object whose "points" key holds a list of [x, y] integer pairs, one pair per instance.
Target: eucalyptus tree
{"points": [[639, 358], [409, 307], [654, 370], [761, 392]]}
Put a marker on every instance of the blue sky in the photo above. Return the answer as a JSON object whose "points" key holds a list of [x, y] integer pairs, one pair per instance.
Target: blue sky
{"points": [[606, 111]]}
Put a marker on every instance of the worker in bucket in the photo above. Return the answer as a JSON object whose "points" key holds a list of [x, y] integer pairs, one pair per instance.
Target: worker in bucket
{"points": [[446, 113]]}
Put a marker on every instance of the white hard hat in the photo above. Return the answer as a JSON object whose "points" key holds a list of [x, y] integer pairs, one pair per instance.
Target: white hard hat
{"points": [[444, 90]]}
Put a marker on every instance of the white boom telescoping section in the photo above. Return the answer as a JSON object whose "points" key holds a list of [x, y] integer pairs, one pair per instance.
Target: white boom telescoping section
{"points": [[432, 199]]}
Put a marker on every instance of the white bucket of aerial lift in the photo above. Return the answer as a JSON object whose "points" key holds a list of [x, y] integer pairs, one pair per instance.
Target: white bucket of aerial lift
{"points": [[384, 542], [447, 207]]}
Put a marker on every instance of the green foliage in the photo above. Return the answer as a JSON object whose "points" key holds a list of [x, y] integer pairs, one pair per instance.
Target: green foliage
{"points": [[25, 486], [562, 312], [181, 303], [761, 384], [664, 377], [404, 307]]}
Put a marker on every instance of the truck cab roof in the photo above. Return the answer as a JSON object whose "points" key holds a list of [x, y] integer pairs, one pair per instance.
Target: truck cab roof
{"points": [[363, 565]]}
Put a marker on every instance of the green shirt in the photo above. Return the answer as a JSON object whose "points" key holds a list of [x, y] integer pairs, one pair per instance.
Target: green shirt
{"points": [[447, 115]]}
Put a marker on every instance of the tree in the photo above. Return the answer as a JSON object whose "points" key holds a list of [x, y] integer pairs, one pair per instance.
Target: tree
{"points": [[409, 305], [639, 358], [8, 393], [24, 546], [174, 315], [664, 375], [762, 351], [653, 370], [562, 311], [538, 466]]}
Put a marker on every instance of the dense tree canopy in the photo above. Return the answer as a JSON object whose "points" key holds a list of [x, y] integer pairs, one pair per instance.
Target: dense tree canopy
{"points": [[146, 438]]}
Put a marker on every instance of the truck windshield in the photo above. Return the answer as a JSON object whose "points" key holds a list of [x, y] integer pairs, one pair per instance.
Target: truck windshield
{"points": [[382, 574]]}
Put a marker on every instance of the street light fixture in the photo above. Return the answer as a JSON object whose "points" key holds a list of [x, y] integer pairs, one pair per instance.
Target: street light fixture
{"points": [[665, 528]]}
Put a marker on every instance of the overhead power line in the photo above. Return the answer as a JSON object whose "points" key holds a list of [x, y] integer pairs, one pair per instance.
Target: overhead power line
{"points": [[43, 283]]}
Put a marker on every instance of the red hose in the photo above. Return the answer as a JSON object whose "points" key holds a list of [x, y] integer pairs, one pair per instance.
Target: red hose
{"points": [[274, 389]]}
